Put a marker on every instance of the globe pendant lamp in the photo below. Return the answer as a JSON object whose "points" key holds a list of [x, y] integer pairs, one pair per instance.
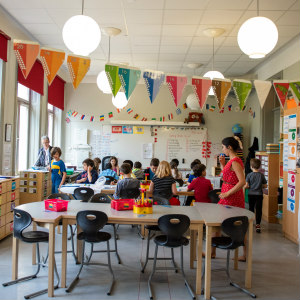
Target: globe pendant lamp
{"points": [[257, 36], [213, 32], [120, 101], [81, 34]]}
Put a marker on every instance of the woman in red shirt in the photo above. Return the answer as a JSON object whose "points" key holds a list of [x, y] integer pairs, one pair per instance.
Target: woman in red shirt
{"points": [[200, 184]]}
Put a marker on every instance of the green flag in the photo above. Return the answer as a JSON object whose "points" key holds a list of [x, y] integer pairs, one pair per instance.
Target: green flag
{"points": [[112, 73], [295, 86], [242, 89]]}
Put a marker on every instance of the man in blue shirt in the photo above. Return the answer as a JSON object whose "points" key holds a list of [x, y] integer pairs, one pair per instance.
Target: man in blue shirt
{"points": [[89, 175], [109, 172]]}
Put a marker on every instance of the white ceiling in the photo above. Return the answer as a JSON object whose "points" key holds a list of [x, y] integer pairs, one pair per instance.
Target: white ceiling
{"points": [[165, 35]]}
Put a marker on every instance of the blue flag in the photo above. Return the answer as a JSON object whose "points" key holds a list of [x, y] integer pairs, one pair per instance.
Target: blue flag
{"points": [[153, 81]]}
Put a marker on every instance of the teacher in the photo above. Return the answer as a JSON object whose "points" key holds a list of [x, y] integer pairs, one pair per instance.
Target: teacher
{"points": [[44, 156]]}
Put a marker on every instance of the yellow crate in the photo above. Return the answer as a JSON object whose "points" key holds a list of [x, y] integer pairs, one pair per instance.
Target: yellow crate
{"points": [[142, 210]]}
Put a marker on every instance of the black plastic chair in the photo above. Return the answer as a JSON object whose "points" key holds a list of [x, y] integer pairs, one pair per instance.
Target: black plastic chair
{"points": [[104, 161], [132, 193], [104, 198], [91, 221], [235, 229], [22, 220], [173, 226], [83, 193], [214, 195]]}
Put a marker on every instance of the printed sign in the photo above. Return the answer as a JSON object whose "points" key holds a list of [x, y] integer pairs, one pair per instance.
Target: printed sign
{"points": [[127, 130], [116, 129]]}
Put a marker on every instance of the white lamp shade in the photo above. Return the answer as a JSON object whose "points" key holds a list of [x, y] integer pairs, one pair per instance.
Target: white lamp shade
{"points": [[192, 102], [213, 75], [120, 101], [81, 35], [102, 83], [257, 37]]}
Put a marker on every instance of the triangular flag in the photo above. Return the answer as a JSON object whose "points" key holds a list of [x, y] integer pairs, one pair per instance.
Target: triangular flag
{"points": [[242, 89], [176, 84], [281, 89], [262, 89], [26, 53], [78, 67], [295, 86], [112, 73], [153, 81], [129, 78], [201, 87], [221, 88], [52, 59]]}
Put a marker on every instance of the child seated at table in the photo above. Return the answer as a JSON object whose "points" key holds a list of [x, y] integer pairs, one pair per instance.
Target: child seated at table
{"points": [[174, 168], [200, 184], [108, 172], [139, 174], [154, 163], [97, 162], [58, 170], [89, 175], [192, 175], [126, 183]]}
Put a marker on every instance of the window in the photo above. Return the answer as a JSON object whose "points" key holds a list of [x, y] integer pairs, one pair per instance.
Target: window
{"points": [[1, 113], [50, 122]]}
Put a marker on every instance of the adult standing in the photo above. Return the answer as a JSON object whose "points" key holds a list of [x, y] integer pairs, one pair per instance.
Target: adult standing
{"points": [[44, 155]]}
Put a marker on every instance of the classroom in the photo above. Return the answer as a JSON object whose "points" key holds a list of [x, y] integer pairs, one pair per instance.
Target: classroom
{"points": [[140, 139]]}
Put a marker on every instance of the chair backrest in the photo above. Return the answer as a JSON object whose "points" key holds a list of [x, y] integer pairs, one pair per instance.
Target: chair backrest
{"points": [[104, 161], [236, 228], [109, 179], [91, 221], [180, 181], [22, 220], [130, 193], [83, 193], [100, 198], [59, 196], [214, 195], [174, 225]]}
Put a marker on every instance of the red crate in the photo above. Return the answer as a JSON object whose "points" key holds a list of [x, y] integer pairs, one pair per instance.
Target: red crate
{"points": [[56, 204], [122, 204]]}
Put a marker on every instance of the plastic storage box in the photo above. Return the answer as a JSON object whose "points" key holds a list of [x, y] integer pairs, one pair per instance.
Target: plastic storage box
{"points": [[56, 204], [122, 204]]}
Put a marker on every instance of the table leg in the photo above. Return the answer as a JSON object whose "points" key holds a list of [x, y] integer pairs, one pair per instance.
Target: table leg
{"points": [[236, 258], [249, 256], [192, 248], [58, 230], [79, 246], [51, 260], [207, 262], [143, 233], [64, 253], [34, 228], [199, 260], [15, 258]]}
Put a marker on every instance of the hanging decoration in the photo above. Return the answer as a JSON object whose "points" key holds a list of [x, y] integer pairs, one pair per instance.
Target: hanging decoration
{"points": [[110, 115], [176, 86], [201, 88], [101, 118], [178, 111], [242, 89], [295, 87], [281, 89], [112, 73], [153, 81], [262, 89], [52, 59], [129, 78], [221, 88], [26, 53], [78, 67]]}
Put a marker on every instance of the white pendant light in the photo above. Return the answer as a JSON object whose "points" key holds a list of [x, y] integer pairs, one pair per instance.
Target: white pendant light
{"points": [[102, 83], [257, 36], [81, 34], [192, 102], [120, 101]]}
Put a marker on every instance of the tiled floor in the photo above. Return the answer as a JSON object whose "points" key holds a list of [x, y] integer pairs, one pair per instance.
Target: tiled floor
{"points": [[276, 272]]}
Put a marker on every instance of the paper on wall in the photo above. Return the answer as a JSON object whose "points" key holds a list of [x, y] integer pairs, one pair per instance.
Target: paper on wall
{"points": [[147, 150]]}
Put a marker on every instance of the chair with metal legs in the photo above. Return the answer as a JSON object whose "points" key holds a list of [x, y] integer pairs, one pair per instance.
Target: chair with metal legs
{"points": [[22, 220], [91, 221], [235, 229], [173, 227], [83, 193]]}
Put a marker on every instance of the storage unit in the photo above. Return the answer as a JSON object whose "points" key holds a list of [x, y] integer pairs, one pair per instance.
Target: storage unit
{"points": [[34, 186], [9, 199], [270, 168]]}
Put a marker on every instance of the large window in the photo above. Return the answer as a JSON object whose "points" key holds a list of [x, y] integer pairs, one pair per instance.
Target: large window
{"points": [[51, 122]]}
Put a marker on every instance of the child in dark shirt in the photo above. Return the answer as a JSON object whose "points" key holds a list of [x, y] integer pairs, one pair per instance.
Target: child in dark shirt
{"points": [[89, 175]]}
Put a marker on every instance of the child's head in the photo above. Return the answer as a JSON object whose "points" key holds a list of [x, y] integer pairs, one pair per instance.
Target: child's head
{"points": [[125, 168], [56, 152], [174, 161], [114, 161], [199, 170], [137, 165], [128, 161], [108, 166], [173, 165], [88, 163], [195, 162], [163, 170], [97, 162], [154, 163], [255, 163]]}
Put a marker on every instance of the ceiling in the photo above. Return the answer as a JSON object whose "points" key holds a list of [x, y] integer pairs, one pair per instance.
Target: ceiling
{"points": [[163, 35]]}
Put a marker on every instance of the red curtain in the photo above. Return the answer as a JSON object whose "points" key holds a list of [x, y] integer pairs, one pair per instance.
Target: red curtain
{"points": [[3, 45], [56, 93], [35, 79]]}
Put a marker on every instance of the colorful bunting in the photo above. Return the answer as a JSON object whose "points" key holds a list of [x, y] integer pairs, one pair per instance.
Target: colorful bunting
{"points": [[242, 89], [170, 116], [229, 107], [110, 114], [262, 89], [178, 111], [129, 110], [153, 81], [176, 86], [52, 59], [82, 117], [112, 73], [295, 86], [78, 67], [92, 119], [207, 106], [221, 88], [184, 106], [212, 108], [136, 116], [201, 87], [26, 53], [129, 78], [281, 88], [222, 110], [101, 118]]}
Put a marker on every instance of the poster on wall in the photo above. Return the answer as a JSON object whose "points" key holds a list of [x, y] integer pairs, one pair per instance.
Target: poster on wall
{"points": [[291, 191], [298, 148], [116, 129], [138, 129], [292, 145], [127, 130], [285, 154]]}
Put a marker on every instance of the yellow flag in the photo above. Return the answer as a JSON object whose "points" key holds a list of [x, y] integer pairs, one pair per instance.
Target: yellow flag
{"points": [[78, 67]]}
